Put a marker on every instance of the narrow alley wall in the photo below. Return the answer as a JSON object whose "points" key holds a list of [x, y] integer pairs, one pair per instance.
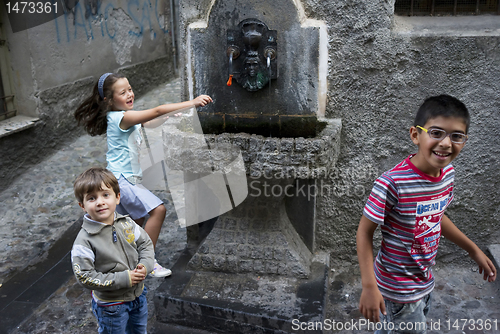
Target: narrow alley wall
{"points": [[380, 69], [54, 66]]}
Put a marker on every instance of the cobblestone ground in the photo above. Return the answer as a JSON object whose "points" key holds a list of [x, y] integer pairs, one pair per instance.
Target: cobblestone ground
{"points": [[40, 206], [460, 294], [68, 309]]}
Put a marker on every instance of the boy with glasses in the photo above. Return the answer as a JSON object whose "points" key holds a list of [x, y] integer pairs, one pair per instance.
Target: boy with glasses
{"points": [[408, 203]]}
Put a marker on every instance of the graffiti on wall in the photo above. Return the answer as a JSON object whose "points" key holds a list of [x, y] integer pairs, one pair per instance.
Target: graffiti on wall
{"points": [[91, 17]]}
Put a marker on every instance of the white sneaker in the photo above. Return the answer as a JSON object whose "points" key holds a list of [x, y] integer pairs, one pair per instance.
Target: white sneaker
{"points": [[159, 271]]}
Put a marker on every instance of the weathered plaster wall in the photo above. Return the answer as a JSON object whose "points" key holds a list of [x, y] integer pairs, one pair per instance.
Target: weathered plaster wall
{"points": [[87, 42], [54, 66], [378, 75]]}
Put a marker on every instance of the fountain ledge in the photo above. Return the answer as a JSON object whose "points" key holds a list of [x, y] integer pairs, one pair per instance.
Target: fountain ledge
{"points": [[298, 158]]}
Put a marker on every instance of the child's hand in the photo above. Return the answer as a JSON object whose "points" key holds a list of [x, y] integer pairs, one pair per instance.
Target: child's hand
{"points": [[486, 267], [141, 269], [138, 274], [371, 304], [167, 117], [202, 100]]}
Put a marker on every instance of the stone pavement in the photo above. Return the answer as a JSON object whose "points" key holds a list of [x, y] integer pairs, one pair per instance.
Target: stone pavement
{"points": [[39, 207], [460, 293]]}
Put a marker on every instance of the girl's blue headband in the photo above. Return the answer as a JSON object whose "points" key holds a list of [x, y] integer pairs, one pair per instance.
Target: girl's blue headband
{"points": [[100, 84]]}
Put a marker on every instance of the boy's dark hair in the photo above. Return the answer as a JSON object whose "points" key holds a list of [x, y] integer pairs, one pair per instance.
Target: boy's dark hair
{"points": [[442, 105], [92, 180], [92, 112]]}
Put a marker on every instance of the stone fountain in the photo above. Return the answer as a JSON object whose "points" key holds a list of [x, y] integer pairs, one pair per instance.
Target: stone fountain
{"points": [[252, 165]]}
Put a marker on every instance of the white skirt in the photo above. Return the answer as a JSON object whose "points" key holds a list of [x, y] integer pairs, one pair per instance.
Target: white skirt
{"points": [[135, 200]]}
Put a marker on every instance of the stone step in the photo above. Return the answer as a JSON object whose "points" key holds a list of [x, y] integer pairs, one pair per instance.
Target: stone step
{"points": [[161, 328], [238, 303]]}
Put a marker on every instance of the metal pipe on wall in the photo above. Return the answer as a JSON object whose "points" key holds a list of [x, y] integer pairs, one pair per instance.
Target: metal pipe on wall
{"points": [[172, 33]]}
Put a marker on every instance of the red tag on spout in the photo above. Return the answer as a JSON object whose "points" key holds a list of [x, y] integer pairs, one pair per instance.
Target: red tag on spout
{"points": [[230, 80]]}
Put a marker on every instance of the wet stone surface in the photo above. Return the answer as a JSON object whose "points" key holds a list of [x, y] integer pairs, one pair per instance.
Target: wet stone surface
{"points": [[460, 293]]}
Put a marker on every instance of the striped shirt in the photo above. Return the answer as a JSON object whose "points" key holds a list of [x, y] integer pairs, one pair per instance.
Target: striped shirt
{"points": [[408, 205]]}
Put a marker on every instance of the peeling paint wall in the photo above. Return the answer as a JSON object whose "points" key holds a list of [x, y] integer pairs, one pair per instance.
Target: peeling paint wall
{"points": [[93, 38], [124, 39]]}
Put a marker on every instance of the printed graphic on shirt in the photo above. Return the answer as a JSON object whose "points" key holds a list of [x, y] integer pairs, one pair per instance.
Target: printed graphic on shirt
{"points": [[129, 232], [428, 226]]}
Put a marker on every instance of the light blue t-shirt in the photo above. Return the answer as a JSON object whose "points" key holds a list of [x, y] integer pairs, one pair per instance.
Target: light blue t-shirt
{"points": [[123, 148]]}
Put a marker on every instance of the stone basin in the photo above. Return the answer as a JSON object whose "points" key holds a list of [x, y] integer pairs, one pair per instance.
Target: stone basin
{"points": [[270, 225]]}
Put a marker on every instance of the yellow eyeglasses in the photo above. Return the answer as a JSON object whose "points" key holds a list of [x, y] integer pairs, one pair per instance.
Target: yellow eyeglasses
{"points": [[439, 134]]}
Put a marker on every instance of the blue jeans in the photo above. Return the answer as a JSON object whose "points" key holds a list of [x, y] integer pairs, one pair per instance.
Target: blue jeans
{"points": [[409, 318], [130, 317]]}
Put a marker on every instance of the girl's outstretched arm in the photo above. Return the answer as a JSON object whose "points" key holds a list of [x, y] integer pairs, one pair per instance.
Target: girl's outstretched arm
{"points": [[133, 117], [156, 122]]}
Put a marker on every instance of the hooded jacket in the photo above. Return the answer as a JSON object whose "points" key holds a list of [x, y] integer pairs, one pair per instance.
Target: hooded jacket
{"points": [[102, 256]]}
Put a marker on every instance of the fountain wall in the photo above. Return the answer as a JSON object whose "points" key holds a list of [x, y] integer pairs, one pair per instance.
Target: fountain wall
{"points": [[291, 101], [380, 69]]}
